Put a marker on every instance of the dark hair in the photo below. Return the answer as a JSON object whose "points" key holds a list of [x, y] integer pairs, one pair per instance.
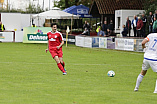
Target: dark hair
{"points": [[53, 24]]}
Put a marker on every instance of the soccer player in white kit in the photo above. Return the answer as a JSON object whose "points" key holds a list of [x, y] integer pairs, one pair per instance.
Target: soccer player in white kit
{"points": [[150, 58]]}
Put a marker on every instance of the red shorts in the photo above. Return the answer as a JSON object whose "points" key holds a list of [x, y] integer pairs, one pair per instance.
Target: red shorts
{"points": [[56, 52]]}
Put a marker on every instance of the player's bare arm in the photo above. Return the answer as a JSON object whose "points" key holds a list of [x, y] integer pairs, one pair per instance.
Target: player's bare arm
{"points": [[144, 42], [60, 44]]}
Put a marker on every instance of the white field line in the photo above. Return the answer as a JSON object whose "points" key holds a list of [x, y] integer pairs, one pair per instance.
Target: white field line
{"points": [[66, 64], [24, 63]]}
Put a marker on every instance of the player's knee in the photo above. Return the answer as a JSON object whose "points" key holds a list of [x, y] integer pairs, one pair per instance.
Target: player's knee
{"points": [[61, 61], [57, 59], [143, 72]]}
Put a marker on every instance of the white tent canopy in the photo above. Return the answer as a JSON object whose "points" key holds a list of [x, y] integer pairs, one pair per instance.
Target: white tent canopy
{"points": [[55, 14]]}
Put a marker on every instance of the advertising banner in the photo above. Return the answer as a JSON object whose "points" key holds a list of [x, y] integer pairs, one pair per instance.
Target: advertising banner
{"points": [[110, 43], [71, 38], [119, 43], [79, 41], [95, 42], [102, 42], [88, 42], [138, 45], [35, 34], [6, 36], [129, 44]]}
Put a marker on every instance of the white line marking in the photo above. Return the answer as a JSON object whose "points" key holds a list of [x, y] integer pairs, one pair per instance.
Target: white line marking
{"points": [[66, 64]]}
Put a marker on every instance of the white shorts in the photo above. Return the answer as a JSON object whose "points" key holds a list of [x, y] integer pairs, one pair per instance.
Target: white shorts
{"points": [[148, 63]]}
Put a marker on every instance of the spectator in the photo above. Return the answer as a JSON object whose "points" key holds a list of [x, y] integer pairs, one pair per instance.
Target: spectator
{"points": [[150, 21], [2, 28], [144, 19], [139, 27], [85, 32], [104, 27], [87, 25], [125, 31], [97, 30], [110, 26], [101, 33], [155, 14], [134, 24], [110, 33], [128, 25], [33, 25], [155, 25]]}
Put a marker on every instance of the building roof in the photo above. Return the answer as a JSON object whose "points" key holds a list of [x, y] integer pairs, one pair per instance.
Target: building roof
{"points": [[109, 6]]}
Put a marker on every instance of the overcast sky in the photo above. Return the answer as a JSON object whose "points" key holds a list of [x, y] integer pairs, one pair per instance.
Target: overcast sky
{"points": [[22, 4]]}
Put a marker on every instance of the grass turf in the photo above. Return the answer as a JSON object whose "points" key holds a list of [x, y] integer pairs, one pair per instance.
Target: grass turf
{"points": [[30, 76]]}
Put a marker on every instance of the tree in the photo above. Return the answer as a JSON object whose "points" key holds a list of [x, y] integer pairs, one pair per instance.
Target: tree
{"points": [[150, 6], [33, 9], [67, 3], [86, 3]]}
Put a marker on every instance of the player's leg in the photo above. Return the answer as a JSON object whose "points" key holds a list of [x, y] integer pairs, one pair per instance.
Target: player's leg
{"points": [[145, 67], [153, 65], [59, 64], [55, 57], [60, 55], [139, 79], [62, 62], [155, 91]]}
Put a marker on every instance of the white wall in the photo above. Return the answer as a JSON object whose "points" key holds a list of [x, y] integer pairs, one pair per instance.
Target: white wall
{"points": [[16, 21], [11, 21], [18, 36], [123, 14], [25, 20]]}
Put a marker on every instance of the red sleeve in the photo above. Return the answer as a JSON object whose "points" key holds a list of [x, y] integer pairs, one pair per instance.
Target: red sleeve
{"points": [[60, 36]]}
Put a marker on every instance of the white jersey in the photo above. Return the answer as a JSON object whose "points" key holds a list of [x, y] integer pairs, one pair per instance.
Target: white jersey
{"points": [[151, 52]]}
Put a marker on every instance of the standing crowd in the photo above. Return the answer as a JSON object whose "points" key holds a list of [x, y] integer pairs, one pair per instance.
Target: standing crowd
{"points": [[139, 24]]}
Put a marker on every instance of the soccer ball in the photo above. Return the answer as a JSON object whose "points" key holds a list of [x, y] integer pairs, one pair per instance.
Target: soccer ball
{"points": [[111, 73]]}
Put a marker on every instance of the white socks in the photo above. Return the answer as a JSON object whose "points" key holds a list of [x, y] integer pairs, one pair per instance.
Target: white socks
{"points": [[139, 80], [155, 91]]}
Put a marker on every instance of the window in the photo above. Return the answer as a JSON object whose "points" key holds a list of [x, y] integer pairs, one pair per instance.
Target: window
{"points": [[118, 22]]}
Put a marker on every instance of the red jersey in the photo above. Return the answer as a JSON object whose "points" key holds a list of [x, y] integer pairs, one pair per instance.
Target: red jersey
{"points": [[54, 39]]}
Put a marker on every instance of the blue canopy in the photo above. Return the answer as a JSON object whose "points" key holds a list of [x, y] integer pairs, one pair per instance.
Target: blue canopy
{"points": [[80, 10], [69, 9]]}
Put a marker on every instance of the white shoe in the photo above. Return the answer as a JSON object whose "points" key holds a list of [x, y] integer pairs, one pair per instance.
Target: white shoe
{"points": [[64, 73], [136, 89], [155, 92]]}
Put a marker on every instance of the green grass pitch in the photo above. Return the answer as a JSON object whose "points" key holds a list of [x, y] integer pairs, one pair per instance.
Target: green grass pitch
{"points": [[30, 76]]}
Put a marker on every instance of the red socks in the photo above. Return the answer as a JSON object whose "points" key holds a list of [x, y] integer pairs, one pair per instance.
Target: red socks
{"points": [[63, 64], [61, 67]]}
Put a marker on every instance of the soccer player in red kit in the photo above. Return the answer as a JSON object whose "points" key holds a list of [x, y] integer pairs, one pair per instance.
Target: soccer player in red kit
{"points": [[55, 43]]}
